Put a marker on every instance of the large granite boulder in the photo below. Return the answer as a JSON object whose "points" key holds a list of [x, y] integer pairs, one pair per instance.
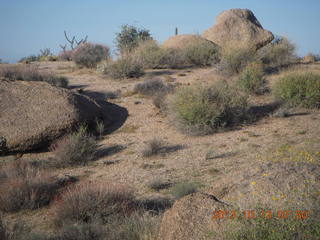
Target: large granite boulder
{"points": [[240, 27], [181, 41], [33, 114]]}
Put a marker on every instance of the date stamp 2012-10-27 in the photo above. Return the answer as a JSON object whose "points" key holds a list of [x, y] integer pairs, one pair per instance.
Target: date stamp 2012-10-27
{"points": [[266, 214]]}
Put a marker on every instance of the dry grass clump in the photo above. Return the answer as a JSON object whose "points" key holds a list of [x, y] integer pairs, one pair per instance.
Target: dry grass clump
{"points": [[153, 147], [251, 79], [78, 148], [31, 73], [277, 54], [180, 190], [298, 89], [152, 87], [198, 110], [124, 67], [94, 202], [89, 55], [201, 53], [25, 187], [235, 59]]}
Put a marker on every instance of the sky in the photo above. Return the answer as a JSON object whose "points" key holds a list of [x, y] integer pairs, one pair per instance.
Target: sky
{"points": [[26, 26]]}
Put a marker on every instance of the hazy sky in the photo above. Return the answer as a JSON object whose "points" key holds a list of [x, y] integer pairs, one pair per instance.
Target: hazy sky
{"points": [[26, 26]]}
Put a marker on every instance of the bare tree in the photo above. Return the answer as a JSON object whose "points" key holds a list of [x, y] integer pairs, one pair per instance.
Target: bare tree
{"points": [[73, 42]]}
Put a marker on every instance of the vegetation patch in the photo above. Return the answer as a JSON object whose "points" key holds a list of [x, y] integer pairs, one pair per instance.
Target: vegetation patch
{"points": [[89, 55], [76, 149], [198, 110], [31, 73], [298, 89]]}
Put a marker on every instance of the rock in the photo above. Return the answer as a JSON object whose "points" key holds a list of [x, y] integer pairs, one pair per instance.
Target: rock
{"points": [[190, 218], [33, 114], [272, 186], [181, 41], [240, 27]]}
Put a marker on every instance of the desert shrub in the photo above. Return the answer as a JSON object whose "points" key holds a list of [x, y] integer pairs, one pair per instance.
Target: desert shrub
{"points": [[31, 73], [201, 54], [76, 149], [251, 78], [159, 184], [29, 59], [91, 202], [65, 55], [198, 110], [150, 87], [278, 53], [129, 38], [89, 55], [124, 67], [150, 55], [298, 89], [25, 187], [234, 60], [137, 226], [153, 147], [180, 190]]}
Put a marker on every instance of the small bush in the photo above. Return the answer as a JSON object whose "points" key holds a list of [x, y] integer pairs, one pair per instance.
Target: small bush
{"points": [[234, 60], [152, 87], [130, 37], [89, 55], [299, 89], [65, 55], [125, 67], [182, 189], [30, 73], [91, 202], [197, 110], [76, 149], [153, 147], [201, 54], [251, 79], [278, 53], [25, 187], [159, 184], [29, 59]]}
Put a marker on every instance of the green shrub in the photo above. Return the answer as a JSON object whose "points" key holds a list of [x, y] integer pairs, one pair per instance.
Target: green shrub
{"points": [[124, 67], [180, 190], [159, 184], [234, 60], [31, 73], [25, 187], [92, 202], [76, 149], [278, 53], [89, 55], [29, 59], [201, 54], [251, 78], [299, 89], [129, 38], [197, 110]]}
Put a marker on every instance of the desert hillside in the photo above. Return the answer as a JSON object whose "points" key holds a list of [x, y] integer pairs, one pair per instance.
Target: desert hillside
{"points": [[175, 141]]}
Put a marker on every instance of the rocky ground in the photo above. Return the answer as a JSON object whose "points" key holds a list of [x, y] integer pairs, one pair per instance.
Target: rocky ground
{"points": [[206, 160]]}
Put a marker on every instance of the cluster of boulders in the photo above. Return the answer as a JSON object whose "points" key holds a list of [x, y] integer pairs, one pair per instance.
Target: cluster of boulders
{"points": [[237, 27]]}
